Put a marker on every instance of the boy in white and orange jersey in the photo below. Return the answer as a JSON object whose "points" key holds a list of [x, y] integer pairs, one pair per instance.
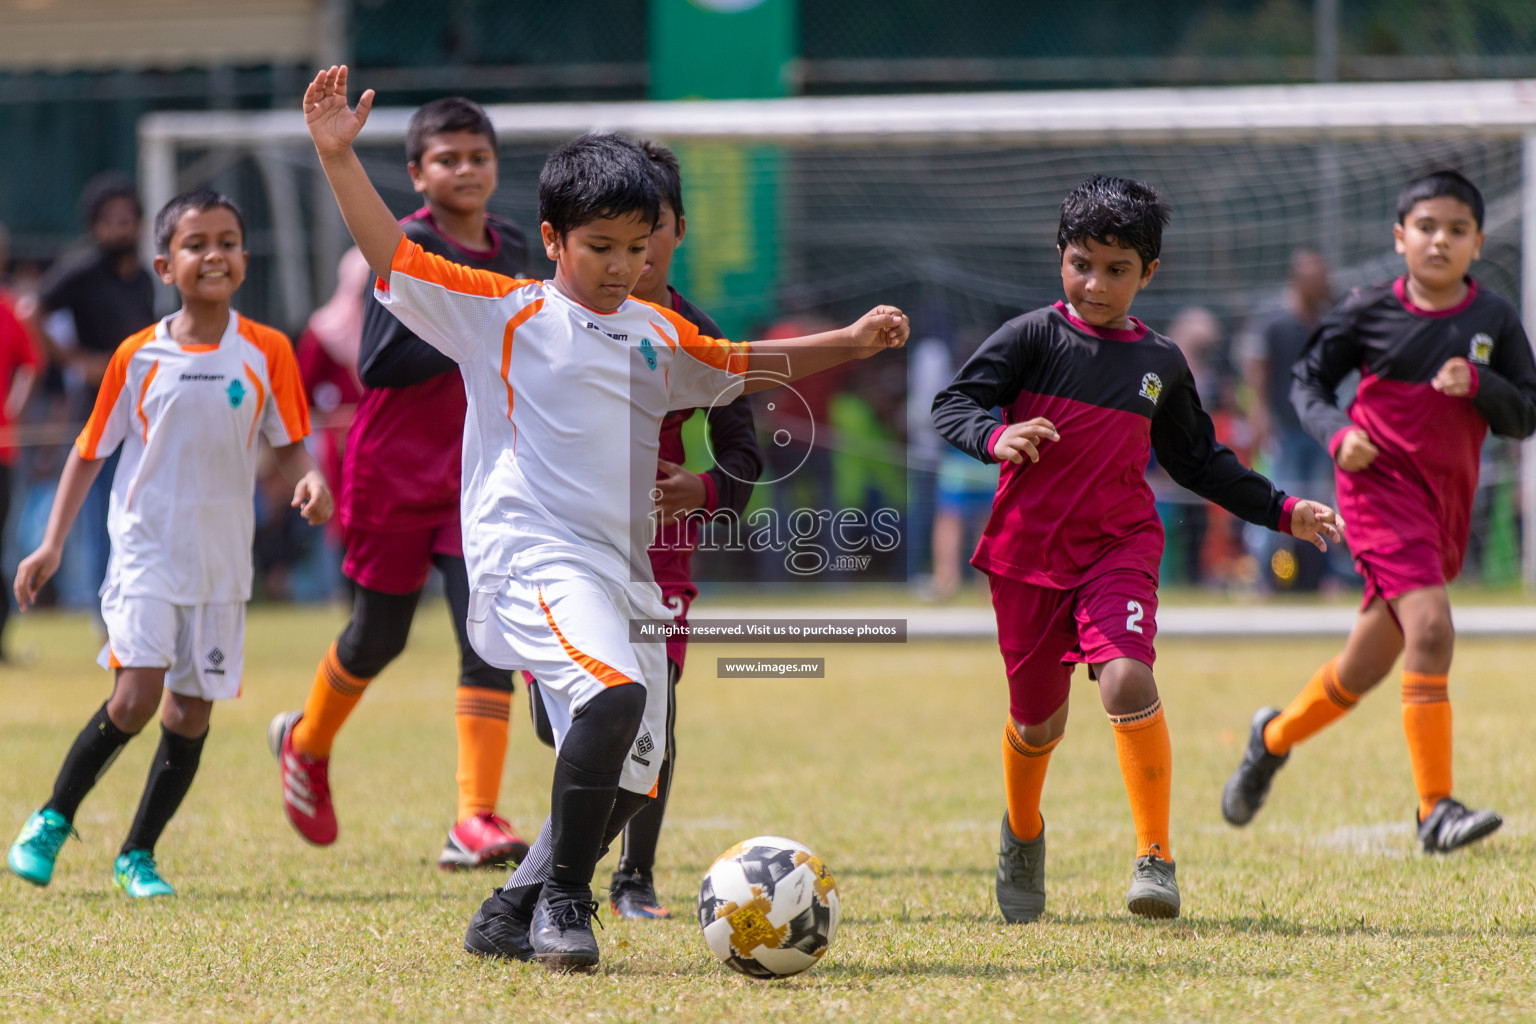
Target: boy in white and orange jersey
{"points": [[568, 381], [186, 399]]}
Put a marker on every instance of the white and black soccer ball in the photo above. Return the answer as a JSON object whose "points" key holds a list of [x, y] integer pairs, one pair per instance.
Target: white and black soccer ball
{"points": [[768, 907]]}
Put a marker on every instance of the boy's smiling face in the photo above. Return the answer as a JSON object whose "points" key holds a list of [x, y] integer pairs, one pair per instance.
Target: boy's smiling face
{"points": [[1439, 239], [207, 256], [457, 171], [599, 263], [1101, 281]]}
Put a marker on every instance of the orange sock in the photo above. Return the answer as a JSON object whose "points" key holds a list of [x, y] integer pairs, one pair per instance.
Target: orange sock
{"points": [[1427, 724], [1146, 764], [332, 696], [1023, 779], [1320, 702], [481, 716]]}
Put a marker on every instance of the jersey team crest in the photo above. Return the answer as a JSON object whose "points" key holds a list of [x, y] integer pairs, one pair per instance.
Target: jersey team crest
{"points": [[236, 393], [649, 352], [1151, 387], [1481, 348]]}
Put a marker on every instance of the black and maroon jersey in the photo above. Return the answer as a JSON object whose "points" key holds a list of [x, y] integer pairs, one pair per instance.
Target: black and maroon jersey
{"points": [[1420, 487], [1115, 397]]}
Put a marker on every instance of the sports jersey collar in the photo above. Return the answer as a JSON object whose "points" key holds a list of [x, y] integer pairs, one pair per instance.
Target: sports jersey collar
{"points": [[1136, 332], [230, 335], [479, 255], [1400, 289]]}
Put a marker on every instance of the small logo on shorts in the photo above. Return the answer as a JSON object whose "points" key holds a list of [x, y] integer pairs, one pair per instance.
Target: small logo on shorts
{"points": [[643, 745], [1481, 348], [1151, 388], [649, 352], [236, 393], [216, 656]]}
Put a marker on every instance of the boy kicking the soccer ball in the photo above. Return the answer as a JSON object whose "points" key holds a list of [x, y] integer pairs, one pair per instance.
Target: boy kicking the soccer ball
{"points": [[1072, 548], [1442, 362], [568, 381], [188, 399]]}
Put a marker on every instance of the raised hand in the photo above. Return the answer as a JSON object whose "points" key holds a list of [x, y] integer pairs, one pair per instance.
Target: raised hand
{"points": [[882, 327], [331, 123], [1312, 521], [1020, 440]]}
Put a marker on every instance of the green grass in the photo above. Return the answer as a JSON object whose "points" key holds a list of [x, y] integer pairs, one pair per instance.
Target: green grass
{"points": [[888, 768]]}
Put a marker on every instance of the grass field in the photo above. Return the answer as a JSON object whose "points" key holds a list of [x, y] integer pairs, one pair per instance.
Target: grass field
{"points": [[1320, 911]]}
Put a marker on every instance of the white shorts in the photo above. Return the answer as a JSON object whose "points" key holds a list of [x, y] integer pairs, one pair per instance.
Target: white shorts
{"points": [[570, 628], [201, 647]]}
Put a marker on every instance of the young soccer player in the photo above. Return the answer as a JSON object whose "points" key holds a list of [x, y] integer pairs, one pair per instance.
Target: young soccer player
{"points": [[568, 383], [187, 399], [400, 507], [679, 493], [1073, 543], [1442, 361]]}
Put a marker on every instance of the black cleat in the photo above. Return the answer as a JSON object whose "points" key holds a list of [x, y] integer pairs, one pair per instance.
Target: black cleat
{"points": [[499, 929], [632, 894], [562, 928], [1452, 825], [1020, 875], [1154, 889], [1245, 791]]}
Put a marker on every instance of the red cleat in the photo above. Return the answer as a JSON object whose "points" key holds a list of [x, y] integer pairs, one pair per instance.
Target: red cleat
{"points": [[486, 840], [306, 785]]}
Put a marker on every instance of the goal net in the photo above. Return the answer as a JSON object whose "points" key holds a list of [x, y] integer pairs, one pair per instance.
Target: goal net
{"points": [[815, 209]]}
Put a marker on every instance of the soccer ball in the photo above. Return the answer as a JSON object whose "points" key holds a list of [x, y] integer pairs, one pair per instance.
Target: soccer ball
{"points": [[768, 907]]}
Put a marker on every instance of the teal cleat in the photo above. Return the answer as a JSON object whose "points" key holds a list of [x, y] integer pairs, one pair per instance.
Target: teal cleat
{"points": [[34, 851], [135, 874]]}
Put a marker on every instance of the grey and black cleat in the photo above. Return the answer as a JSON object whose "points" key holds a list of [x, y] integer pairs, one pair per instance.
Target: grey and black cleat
{"points": [[561, 930], [1452, 825], [632, 894], [499, 929], [1020, 875], [1154, 891], [1246, 790]]}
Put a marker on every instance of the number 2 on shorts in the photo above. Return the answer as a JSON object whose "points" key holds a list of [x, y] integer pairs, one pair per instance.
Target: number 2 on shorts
{"points": [[1133, 620]]}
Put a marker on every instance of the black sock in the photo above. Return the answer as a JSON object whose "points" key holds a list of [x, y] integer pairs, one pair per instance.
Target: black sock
{"points": [[170, 776], [95, 749], [587, 779]]}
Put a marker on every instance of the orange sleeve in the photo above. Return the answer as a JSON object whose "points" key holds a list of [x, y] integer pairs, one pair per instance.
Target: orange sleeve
{"points": [[729, 356], [414, 261], [288, 402], [106, 427]]}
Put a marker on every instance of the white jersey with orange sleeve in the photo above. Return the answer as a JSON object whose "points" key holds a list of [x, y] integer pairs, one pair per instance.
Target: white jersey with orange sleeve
{"points": [[182, 514], [565, 407]]}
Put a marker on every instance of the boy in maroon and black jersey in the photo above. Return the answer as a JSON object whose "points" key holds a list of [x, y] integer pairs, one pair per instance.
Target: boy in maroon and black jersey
{"points": [[680, 496], [1442, 362], [399, 505], [1072, 547]]}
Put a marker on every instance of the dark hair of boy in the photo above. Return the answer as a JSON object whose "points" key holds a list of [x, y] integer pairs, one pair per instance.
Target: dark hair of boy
{"points": [[669, 174], [103, 189], [199, 199], [1435, 185], [1115, 211], [598, 175], [450, 114]]}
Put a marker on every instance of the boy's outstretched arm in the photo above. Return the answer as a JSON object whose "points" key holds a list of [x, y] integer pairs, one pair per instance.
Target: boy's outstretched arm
{"points": [[38, 567], [772, 363], [333, 126]]}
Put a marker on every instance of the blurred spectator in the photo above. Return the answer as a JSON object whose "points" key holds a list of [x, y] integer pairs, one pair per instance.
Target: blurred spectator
{"points": [[86, 304], [1267, 348], [929, 368], [19, 363]]}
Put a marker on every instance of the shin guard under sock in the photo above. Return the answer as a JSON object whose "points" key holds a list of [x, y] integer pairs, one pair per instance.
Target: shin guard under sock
{"points": [[170, 776], [1146, 765], [1427, 726], [332, 696], [93, 752], [1322, 701], [1023, 780], [481, 718]]}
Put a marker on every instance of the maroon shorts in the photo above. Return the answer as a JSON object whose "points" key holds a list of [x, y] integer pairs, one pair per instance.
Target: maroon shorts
{"points": [[1390, 575], [677, 599], [398, 563], [1043, 632]]}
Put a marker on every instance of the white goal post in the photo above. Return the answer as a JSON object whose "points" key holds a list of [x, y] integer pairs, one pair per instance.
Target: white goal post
{"points": [[1317, 116]]}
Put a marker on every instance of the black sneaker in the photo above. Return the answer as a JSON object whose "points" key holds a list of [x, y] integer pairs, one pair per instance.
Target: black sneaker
{"points": [[632, 894], [1452, 825], [1154, 888], [1020, 875], [562, 928], [499, 929], [1249, 785]]}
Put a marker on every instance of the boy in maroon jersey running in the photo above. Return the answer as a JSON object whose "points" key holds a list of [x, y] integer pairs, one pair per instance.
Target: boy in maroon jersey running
{"points": [[400, 506], [1441, 362], [1073, 544]]}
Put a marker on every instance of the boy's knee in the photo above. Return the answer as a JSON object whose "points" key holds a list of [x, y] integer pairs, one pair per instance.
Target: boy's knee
{"points": [[186, 716], [612, 718], [1432, 634], [132, 708], [1126, 686], [366, 652]]}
